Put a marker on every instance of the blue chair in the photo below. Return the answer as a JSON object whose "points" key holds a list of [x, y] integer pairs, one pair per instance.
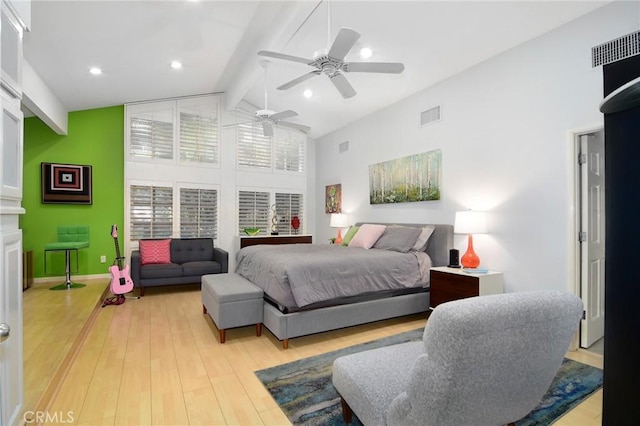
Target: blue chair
{"points": [[70, 238]]}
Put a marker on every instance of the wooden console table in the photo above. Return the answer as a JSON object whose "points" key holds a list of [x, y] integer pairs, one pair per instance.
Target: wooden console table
{"points": [[246, 241]]}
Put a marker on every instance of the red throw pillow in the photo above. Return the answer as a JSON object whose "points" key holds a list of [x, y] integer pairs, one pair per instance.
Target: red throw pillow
{"points": [[155, 251]]}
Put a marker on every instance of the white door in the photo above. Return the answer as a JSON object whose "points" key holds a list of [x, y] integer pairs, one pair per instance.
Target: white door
{"points": [[592, 276]]}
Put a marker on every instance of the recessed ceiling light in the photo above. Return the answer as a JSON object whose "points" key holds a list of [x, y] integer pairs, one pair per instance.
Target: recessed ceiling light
{"points": [[176, 65], [365, 52], [307, 93], [95, 70]]}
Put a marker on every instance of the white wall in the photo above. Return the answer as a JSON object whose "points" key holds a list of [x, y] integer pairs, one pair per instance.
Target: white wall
{"points": [[505, 147]]}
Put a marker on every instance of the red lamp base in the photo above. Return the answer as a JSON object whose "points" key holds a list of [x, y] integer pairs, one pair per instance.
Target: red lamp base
{"points": [[470, 259]]}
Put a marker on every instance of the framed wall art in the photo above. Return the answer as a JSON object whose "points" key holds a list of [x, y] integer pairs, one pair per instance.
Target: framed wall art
{"points": [[407, 179], [333, 199], [65, 183]]}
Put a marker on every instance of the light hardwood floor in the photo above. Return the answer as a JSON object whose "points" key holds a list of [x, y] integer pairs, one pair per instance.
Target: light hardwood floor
{"points": [[157, 361], [53, 321]]}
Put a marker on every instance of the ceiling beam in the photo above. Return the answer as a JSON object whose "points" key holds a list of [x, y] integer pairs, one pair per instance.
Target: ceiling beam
{"points": [[271, 27]]}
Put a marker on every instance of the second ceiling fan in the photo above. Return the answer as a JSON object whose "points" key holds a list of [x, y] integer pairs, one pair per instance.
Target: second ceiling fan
{"points": [[331, 62], [269, 118]]}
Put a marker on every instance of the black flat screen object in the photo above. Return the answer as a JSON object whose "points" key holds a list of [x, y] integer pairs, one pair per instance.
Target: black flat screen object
{"points": [[454, 259]]}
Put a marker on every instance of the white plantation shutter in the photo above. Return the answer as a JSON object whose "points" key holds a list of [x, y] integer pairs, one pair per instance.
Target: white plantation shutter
{"points": [[151, 134], [288, 205], [289, 150], [253, 211], [151, 212], [198, 213], [199, 134], [254, 149]]}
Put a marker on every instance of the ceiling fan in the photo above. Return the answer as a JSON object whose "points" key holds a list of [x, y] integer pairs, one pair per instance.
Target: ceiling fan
{"points": [[270, 118], [331, 61]]}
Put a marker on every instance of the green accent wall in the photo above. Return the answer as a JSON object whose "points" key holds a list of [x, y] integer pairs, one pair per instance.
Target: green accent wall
{"points": [[96, 138]]}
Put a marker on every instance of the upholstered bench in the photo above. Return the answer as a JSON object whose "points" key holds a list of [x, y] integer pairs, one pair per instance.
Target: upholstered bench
{"points": [[231, 301]]}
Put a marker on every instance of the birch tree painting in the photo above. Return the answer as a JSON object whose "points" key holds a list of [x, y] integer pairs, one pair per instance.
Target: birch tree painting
{"points": [[407, 179]]}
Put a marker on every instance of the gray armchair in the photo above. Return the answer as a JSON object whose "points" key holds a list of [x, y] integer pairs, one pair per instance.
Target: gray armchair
{"points": [[483, 361]]}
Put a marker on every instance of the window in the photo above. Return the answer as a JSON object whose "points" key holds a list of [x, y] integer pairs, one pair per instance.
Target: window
{"points": [[198, 213], [288, 206], [151, 212], [199, 133], [151, 135], [284, 151], [254, 149], [289, 150], [253, 211], [183, 130]]}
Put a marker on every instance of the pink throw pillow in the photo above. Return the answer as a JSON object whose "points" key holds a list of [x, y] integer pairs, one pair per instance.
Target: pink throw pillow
{"points": [[367, 236], [155, 251]]}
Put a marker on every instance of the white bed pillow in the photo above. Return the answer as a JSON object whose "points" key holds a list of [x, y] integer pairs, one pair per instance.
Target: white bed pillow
{"points": [[423, 239], [367, 235]]}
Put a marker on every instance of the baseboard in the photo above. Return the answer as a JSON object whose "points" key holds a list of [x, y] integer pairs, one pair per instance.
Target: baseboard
{"points": [[74, 278]]}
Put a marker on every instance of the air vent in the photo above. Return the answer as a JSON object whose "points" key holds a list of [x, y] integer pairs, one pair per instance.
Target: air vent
{"points": [[615, 50], [344, 147], [430, 116]]}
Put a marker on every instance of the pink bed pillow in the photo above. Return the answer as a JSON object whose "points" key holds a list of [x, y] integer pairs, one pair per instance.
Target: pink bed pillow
{"points": [[155, 251], [367, 235]]}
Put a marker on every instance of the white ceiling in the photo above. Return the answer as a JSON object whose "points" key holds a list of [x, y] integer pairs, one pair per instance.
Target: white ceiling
{"points": [[217, 41]]}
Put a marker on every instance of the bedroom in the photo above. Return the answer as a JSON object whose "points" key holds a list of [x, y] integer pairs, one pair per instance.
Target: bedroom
{"points": [[485, 135]]}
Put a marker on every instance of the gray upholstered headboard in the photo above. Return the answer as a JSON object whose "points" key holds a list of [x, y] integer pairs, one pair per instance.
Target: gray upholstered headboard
{"points": [[440, 242]]}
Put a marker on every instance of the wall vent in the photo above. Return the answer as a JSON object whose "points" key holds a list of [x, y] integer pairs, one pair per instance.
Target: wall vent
{"points": [[343, 147], [430, 116], [616, 50]]}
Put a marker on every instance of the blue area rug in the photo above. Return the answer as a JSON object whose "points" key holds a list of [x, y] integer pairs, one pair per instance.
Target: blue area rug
{"points": [[304, 391]]}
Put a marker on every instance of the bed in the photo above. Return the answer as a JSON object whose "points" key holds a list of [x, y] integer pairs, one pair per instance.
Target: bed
{"points": [[312, 288]]}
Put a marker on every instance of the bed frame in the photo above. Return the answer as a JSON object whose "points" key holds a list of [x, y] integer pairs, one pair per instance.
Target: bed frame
{"points": [[296, 324]]}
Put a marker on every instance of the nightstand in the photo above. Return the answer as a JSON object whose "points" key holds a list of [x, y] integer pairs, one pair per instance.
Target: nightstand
{"points": [[449, 284]]}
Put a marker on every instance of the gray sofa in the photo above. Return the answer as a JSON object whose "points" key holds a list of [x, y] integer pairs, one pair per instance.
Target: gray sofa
{"points": [[191, 258]]}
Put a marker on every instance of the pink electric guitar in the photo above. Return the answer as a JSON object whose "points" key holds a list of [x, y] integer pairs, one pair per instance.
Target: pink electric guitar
{"points": [[121, 281]]}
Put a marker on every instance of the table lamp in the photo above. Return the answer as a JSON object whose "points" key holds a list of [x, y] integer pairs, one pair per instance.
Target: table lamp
{"points": [[339, 220], [470, 222]]}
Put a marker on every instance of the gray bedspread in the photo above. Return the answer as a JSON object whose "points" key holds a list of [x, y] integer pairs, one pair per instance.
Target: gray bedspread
{"points": [[297, 275]]}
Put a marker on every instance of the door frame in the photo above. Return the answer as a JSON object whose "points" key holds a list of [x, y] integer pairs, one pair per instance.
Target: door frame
{"points": [[573, 269]]}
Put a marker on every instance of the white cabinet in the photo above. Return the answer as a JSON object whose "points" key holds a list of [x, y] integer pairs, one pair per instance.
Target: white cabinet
{"points": [[11, 52], [11, 381], [11, 128]]}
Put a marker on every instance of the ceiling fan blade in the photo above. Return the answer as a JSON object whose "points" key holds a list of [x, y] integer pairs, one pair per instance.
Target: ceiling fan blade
{"points": [[299, 80], [343, 85], [285, 57], [343, 43], [267, 128], [294, 125], [237, 124], [382, 67], [282, 115]]}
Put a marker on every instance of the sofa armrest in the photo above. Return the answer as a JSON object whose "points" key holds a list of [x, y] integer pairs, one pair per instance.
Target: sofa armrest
{"points": [[135, 267], [222, 257]]}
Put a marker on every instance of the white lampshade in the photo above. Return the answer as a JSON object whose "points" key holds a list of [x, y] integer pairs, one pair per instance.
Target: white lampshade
{"points": [[339, 220], [470, 222]]}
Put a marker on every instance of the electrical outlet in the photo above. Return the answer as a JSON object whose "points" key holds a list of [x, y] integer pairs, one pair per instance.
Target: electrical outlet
{"points": [[103, 259]]}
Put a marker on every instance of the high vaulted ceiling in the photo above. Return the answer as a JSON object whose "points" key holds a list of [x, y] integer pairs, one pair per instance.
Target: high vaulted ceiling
{"points": [[217, 42]]}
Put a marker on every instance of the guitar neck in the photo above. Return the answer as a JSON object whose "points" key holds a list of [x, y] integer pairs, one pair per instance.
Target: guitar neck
{"points": [[118, 258]]}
